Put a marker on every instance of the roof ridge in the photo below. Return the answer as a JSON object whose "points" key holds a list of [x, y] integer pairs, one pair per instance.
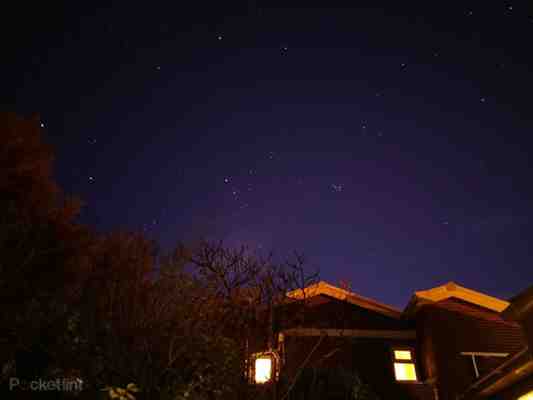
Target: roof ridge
{"points": [[370, 300], [452, 289], [325, 288]]}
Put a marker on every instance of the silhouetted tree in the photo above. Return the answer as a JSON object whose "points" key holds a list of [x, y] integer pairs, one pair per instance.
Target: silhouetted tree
{"points": [[41, 248], [105, 308]]}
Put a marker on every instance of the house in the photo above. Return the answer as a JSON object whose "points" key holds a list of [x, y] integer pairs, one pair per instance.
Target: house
{"points": [[327, 342], [513, 378]]}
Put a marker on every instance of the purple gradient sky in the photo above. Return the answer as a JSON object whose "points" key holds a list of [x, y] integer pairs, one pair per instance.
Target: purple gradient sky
{"points": [[391, 145]]}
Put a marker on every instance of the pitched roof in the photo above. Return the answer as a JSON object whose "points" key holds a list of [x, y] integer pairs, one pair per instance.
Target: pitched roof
{"points": [[453, 290], [472, 310], [521, 305], [324, 288]]}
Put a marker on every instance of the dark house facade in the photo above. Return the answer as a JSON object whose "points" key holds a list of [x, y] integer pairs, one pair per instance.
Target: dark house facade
{"points": [[513, 378], [330, 343]]}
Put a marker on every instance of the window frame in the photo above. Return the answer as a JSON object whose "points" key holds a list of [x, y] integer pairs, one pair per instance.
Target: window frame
{"points": [[399, 361], [275, 365]]}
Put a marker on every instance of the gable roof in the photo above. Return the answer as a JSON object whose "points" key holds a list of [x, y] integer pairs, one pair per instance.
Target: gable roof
{"points": [[324, 288], [452, 290], [472, 310], [521, 305]]}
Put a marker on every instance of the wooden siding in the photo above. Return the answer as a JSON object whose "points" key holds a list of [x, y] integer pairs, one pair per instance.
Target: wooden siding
{"points": [[325, 333], [326, 312], [452, 326], [527, 325], [371, 359]]}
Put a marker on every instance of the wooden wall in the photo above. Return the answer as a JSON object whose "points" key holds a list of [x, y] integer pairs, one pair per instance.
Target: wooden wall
{"points": [[451, 327]]}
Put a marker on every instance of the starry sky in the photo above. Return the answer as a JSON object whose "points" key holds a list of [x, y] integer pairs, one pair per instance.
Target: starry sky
{"points": [[389, 144]]}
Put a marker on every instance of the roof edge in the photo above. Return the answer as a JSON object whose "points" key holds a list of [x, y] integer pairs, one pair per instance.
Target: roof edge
{"points": [[520, 306], [338, 293], [453, 290]]}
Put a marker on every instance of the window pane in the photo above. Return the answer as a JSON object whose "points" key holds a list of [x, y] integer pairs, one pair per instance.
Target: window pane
{"points": [[405, 371], [402, 354], [263, 370]]}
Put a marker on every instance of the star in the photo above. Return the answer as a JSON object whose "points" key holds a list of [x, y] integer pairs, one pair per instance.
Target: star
{"points": [[42, 124], [482, 99], [91, 179], [226, 180], [336, 187], [158, 67], [219, 37]]}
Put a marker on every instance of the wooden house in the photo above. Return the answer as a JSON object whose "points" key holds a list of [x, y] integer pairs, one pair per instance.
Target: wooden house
{"points": [[513, 378], [330, 343]]}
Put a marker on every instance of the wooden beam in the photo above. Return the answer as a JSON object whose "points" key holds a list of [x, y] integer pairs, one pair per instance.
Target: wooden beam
{"points": [[360, 333], [483, 354]]}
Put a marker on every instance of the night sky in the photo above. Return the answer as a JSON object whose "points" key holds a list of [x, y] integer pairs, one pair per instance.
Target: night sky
{"points": [[390, 145]]}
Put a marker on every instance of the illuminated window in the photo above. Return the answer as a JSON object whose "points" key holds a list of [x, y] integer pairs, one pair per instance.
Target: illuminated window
{"points": [[402, 355], [263, 367], [263, 370], [527, 396], [404, 366]]}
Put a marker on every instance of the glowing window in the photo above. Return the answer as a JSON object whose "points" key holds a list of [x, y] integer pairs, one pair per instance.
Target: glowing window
{"points": [[402, 355], [263, 370], [527, 396], [404, 366], [405, 371]]}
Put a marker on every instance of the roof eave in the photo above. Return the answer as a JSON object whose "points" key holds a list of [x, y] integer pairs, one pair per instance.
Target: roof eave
{"points": [[520, 306], [324, 288], [453, 290], [511, 370]]}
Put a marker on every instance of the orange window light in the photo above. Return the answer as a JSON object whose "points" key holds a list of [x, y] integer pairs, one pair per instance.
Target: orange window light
{"points": [[263, 370]]}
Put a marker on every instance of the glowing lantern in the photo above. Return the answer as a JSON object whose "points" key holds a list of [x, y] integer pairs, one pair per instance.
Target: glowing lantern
{"points": [[263, 370], [264, 367]]}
